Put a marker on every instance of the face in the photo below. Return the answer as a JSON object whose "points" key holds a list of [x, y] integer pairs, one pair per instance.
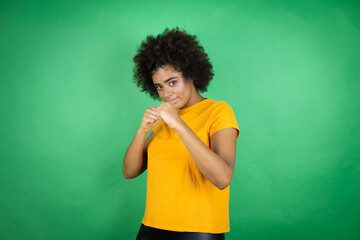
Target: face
{"points": [[172, 86]]}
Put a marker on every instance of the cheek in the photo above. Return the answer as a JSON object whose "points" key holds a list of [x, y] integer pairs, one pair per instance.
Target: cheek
{"points": [[162, 96], [159, 94], [180, 89]]}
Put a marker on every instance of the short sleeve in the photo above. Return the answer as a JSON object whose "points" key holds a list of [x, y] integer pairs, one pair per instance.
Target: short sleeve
{"points": [[222, 117]]}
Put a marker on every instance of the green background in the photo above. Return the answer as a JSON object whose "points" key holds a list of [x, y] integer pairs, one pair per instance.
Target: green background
{"points": [[69, 109]]}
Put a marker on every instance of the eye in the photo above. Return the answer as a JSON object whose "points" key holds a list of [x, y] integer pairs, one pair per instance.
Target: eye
{"points": [[158, 87], [172, 83]]}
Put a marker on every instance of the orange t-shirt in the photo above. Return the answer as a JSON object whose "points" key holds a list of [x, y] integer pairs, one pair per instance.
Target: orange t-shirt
{"points": [[179, 197]]}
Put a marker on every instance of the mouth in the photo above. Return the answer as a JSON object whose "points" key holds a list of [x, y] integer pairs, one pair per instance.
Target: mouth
{"points": [[174, 100]]}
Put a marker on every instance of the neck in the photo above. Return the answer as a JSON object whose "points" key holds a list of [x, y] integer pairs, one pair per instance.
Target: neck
{"points": [[195, 98]]}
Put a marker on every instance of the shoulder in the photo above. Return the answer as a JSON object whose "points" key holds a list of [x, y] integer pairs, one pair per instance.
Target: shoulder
{"points": [[220, 106], [222, 116]]}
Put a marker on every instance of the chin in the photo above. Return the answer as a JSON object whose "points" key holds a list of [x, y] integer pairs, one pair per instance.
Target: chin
{"points": [[180, 107], [177, 106]]}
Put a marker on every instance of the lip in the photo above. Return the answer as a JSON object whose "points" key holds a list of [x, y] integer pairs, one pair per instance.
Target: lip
{"points": [[174, 100]]}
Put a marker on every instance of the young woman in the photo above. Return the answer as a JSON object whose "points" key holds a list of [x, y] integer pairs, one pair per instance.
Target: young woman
{"points": [[190, 153]]}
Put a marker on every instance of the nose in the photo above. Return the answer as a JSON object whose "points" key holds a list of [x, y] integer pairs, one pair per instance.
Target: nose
{"points": [[168, 92]]}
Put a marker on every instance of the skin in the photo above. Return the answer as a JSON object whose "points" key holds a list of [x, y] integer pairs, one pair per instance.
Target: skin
{"points": [[215, 163]]}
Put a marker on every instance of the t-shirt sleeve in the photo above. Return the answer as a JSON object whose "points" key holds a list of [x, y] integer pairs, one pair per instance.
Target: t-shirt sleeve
{"points": [[222, 117]]}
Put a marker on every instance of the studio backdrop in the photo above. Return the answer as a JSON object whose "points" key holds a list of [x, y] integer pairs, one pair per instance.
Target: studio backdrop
{"points": [[69, 109]]}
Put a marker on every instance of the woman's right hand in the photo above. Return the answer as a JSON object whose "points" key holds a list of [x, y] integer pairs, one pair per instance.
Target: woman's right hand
{"points": [[150, 119]]}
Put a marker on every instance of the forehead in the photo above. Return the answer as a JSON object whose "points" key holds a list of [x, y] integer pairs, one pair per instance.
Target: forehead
{"points": [[164, 73]]}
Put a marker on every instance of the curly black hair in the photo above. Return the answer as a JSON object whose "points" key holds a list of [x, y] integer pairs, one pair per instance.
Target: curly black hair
{"points": [[175, 48]]}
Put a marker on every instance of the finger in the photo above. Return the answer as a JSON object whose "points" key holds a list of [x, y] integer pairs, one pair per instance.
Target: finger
{"points": [[159, 109], [149, 120], [155, 109], [157, 121], [151, 115], [152, 110]]}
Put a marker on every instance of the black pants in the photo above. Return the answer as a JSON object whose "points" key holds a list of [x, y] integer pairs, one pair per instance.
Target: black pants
{"points": [[149, 233]]}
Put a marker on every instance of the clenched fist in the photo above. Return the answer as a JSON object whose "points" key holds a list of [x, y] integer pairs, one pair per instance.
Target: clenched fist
{"points": [[150, 119], [169, 114]]}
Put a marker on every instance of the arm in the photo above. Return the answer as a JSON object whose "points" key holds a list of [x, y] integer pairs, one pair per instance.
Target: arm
{"points": [[135, 159], [217, 163]]}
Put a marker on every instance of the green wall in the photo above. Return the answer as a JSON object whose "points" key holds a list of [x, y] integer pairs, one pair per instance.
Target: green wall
{"points": [[69, 109]]}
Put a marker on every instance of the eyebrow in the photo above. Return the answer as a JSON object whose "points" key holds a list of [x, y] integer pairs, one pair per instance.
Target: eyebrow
{"points": [[167, 80]]}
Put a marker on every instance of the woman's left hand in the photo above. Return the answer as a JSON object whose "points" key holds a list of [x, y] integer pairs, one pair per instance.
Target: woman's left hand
{"points": [[169, 114]]}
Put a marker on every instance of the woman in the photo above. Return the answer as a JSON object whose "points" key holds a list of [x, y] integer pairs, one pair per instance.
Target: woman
{"points": [[190, 153]]}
